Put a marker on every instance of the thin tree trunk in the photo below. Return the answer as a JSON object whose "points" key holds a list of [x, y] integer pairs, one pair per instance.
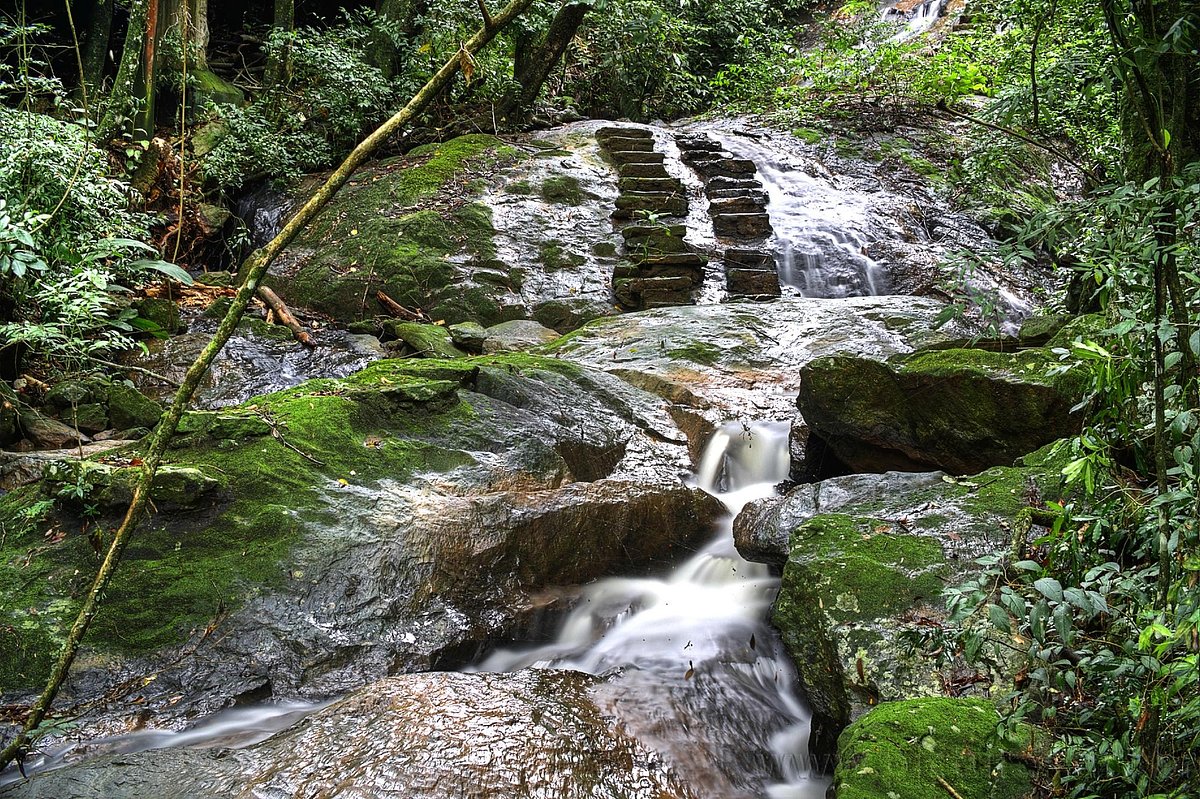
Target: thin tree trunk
{"points": [[384, 52], [95, 45], [279, 62], [254, 268], [534, 60], [123, 99]]}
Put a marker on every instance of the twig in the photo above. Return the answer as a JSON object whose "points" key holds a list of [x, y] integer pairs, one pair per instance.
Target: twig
{"points": [[398, 310], [130, 368], [949, 789], [283, 316]]}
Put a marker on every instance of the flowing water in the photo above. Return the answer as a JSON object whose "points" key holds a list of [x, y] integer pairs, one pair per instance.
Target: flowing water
{"points": [[821, 228], [692, 651]]}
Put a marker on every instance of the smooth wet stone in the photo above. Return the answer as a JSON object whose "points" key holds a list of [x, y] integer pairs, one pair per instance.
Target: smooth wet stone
{"points": [[535, 733], [519, 334], [46, 433], [750, 259]]}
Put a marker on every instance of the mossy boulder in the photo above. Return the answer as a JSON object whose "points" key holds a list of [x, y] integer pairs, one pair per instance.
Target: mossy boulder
{"points": [[404, 226], [917, 749], [347, 528], [163, 314], [961, 410], [429, 341], [865, 570]]}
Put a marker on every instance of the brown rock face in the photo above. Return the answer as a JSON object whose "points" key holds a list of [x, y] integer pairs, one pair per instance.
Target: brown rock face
{"points": [[421, 736]]}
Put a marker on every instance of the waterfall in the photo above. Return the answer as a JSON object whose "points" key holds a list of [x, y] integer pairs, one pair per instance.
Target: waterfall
{"points": [[696, 639]]}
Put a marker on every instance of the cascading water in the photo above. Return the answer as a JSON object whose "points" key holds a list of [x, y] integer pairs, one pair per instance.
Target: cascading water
{"points": [[697, 670], [819, 229], [917, 16]]}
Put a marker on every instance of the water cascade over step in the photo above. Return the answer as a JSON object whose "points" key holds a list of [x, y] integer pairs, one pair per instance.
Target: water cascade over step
{"points": [[695, 667], [819, 238], [737, 204]]}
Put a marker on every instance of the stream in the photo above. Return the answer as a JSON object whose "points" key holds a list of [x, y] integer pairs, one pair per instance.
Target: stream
{"points": [[687, 662]]}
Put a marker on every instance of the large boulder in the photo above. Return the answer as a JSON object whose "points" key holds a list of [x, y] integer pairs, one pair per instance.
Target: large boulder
{"points": [[419, 736], [411, 227], [866, 563], [342, 530], [961, 410], [926, 748]]}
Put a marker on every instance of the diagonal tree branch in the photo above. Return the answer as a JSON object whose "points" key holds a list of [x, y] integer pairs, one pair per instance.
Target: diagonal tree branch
{"points": [[253, 269]]}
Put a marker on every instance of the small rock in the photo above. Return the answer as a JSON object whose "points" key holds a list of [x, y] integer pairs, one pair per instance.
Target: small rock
{"points": [[46, 433], [519, 334]]}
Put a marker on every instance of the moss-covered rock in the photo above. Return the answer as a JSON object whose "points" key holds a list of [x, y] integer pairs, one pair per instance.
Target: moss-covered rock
{"points": [[400, 227], [917, 749], [961, 410], [562, 189], [865, 568], [129, 408], [429, 341], [346, 528]]}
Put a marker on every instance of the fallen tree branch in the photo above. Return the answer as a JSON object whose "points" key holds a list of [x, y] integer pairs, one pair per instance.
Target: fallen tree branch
{"points": [[283, 316], [252, 271], [398, 310]]}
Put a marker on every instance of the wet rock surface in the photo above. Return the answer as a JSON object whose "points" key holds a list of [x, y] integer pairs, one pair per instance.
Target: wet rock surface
{"points": [[743, 361], [867, 557], [427, 736], [344, 530]]}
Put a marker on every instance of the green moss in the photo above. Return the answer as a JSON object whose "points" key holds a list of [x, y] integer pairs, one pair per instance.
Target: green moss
{"points": [[519, 187], [554, 256], [909, 749], [429, 340], [808, 135], [370, 237], [562, 190], [697, 352]]}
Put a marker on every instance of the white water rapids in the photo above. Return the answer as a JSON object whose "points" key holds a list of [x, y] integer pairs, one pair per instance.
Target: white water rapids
{"points": [[696, 640]]}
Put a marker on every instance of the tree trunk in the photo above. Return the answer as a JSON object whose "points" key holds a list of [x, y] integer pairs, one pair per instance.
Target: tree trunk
{"points": [[536, 57], [95, 45], [384, 52], [279, 62], [130, 105], [253, 270]]}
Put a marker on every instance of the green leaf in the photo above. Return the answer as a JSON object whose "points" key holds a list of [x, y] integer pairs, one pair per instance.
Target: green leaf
{"points": [[173, 271], [1050, 588], [999, 618]]}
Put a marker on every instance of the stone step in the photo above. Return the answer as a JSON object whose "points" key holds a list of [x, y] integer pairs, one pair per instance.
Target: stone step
{"points": [[698, 143], [655, 244], [749, 259], [722, 183], [746, 204], [624, 143], [635, 157], [724, 194], [673, 260], [724, 167], [656, 170], [666, 299], [642, 231], [628, 269], [628, 205], [742, 225], [604, 134], [752, 282], [650, 185]]}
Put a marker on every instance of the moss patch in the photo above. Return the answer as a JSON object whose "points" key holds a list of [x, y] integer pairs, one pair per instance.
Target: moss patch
{"points": [[900, 750], [562, 190], [400, 226]]}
